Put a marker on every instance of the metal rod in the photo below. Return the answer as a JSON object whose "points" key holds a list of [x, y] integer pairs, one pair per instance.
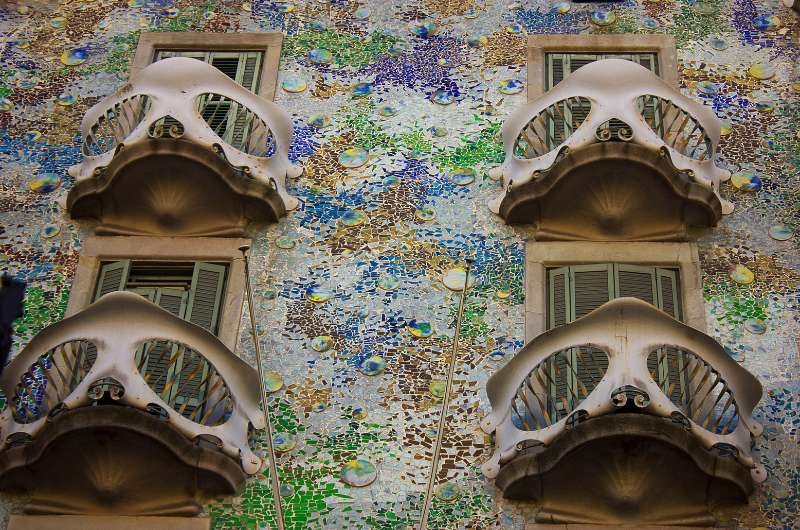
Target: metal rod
{"points": [[423, 524], [276, 488]]}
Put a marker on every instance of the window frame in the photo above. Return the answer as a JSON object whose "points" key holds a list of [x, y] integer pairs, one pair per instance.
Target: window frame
{"points": [[613, 278], [268, 43], [663, 46], [100, 249], [540, 256]]}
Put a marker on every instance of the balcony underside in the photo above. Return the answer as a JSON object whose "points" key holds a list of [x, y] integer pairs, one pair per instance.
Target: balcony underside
{"points": [[116, 460], [612, 191], [173, 187], [625, 469]]}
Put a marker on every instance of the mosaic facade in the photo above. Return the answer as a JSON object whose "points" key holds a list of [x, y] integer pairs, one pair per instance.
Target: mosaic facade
{"points": [[397, 108]]}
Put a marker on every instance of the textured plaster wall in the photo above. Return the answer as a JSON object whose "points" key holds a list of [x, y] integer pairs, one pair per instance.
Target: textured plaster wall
{"points": [[377, 239]]}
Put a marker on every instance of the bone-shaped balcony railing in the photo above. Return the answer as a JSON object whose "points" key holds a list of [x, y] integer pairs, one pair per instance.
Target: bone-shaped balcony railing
{"points": [[611, 100], [141, 356], [626, 353], [186, 98]]}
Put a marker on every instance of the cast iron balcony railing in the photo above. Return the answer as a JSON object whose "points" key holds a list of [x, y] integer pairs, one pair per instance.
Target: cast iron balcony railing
{"points": [[171, 394], [181, 139], [611, 153], [630, 374]]}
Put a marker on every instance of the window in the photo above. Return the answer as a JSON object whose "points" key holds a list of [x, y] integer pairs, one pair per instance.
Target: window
{"points": [[191, 291], [577, 290], [241, 66], [229, 120], [250, 59], [656, 52], [559, 66]]}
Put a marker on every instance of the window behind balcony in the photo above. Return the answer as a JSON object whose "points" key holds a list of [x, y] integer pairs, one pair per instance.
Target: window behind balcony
{"points": [[189, 290], [559, 66], [228, 119], [576, 290]]}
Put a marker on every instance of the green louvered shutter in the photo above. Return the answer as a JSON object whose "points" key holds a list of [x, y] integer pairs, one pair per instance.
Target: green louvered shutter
{"points": [[227, 119], [668, 293], [591, 286], [560, 309], [671, 360], [247, 76], [560, 301], [112, 277], [635, 281], [205, 296], [153, 360], [557, 70], [587, 287], [638, 282]]}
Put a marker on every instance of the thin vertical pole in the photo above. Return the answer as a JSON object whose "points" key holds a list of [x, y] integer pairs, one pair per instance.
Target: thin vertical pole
{"points": [[274, 483], [423, 524]]}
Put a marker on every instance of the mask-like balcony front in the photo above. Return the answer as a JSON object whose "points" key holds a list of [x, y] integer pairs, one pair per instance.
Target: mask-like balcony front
{"points": [[611, 153], [794, 4], [125, 409], [624, 417], [183, 150]]}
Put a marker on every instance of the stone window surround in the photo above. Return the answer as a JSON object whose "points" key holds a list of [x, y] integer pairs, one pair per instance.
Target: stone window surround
{"points": [[98, 249], [539, 256], [269, 43], [540, 45]]}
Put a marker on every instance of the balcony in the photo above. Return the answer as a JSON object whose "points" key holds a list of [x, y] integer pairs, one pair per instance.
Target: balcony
{"points": [[794, 4], [182, 150], [612, 153], [125, 409], [624, 417]]}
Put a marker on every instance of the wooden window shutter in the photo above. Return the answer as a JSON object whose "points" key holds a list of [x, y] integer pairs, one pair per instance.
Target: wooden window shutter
{"points": [[560, 302], [112, 277], [635, 281], [154, 358], [247, 76], [591, 286], [205, 295], [668, 292], [671, 360]]}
